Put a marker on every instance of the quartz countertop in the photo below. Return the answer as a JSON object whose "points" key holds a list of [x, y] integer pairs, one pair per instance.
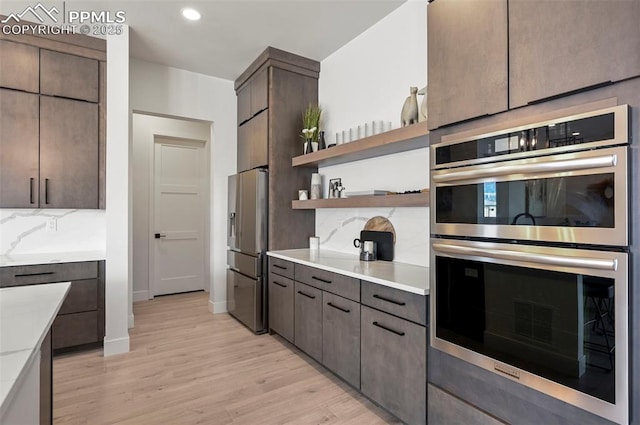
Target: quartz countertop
{"points": [[26, 314], [406, 277], [49, 258]]}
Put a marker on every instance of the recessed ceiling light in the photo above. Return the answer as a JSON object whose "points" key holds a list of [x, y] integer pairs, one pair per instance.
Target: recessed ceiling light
{"points": [[191, 14]]}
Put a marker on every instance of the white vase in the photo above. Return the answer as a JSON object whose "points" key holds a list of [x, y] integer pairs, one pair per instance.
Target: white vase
{"points": [[316, 186], [314, 146]]}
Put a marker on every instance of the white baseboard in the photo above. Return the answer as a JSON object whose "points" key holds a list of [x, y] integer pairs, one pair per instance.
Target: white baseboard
{"points": [[116, 346], [140, 296], [131, 321], [217, 307]]}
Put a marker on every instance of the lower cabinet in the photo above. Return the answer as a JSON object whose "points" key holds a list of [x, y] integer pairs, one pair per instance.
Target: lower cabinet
{"points": [[281, 306], [341, 337], [308, 320], [394, 364]]}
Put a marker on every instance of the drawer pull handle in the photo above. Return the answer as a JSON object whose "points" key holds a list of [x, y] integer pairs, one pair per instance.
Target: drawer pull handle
{"points": [[31, 200], [388, 329], [320, 279], [344, 310], [279, 284], [313, 297], [278, 266], [34, 274], [46, 191], [389, 300]]}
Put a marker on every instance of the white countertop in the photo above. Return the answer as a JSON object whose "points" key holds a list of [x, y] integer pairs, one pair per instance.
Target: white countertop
{"points": [[48, 258], [406, 277], [26, 314]]}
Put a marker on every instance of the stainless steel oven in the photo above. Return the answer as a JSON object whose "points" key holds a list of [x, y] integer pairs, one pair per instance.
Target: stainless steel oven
{"points": [[529, 255]]}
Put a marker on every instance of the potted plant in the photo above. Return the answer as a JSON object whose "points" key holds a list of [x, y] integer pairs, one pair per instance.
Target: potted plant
{"points": [[311, 128]]}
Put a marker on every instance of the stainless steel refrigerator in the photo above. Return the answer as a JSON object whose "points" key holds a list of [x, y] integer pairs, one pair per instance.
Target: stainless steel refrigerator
{"points": [[247, 245]]}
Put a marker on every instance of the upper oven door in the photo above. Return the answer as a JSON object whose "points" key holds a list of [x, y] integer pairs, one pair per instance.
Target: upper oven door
{"points": [[578, 197]]}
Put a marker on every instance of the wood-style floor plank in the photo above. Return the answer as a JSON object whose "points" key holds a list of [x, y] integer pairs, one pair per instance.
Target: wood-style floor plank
{"points": [[187, 366]]}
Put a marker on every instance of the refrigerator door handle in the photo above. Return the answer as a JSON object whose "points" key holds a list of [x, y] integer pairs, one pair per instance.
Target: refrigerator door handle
{"points": [[232, 224]]}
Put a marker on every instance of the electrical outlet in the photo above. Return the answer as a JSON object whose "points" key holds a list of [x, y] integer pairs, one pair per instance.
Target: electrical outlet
{"points": [[52, 224]]}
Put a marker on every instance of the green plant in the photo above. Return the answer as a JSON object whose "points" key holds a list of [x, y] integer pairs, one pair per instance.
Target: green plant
{"points": [[311, 123]]}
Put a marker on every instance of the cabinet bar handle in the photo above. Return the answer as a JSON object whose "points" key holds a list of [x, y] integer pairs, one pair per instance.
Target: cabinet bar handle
{"points": [[279, 284], [31, 201], [389, 300], [34, 274], [388, 329], [278, 266], [307, 295], [46, 191], [345, 310], [320, 279]]}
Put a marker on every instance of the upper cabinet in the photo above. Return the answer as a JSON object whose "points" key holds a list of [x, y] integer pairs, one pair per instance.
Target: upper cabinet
{"points": [[52, 115], [253, 96], [557, 47], [552, 48], [20, 66], [467, 60], [69, 76]]}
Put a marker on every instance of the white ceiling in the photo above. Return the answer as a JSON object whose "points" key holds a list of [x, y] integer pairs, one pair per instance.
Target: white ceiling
{"points": [[232, 33]]}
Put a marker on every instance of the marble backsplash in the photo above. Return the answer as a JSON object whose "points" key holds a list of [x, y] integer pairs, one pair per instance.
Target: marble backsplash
{"points": [[28, 231], [337, 228]]}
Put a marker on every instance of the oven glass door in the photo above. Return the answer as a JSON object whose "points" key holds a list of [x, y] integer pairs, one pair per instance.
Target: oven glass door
{"points": [[555, 313], [576, 198]]}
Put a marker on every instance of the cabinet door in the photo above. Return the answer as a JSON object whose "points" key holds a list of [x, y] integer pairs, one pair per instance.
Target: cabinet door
{"points": [[20, 66], [18, 149], [260, 91], [244, 147], [394, 365], [68, 153], [74, 329], [308, 320], [69, 76], [341, 337], [244, 103], [281, 306], [467, 57], [557, 47], [259, 139]]}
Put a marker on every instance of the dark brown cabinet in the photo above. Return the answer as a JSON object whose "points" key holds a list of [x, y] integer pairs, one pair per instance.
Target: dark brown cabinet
{"points": [[70, 76], [20, 66], [467, 57], [244, 105], [253, 142], [19, 156], [281, 290], [253, 96], [548, 57], [308, 320], [68, 153], [394, 364], [81, 319], [341, 337]]}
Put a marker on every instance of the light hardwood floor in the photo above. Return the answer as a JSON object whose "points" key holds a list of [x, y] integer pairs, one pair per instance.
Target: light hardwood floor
{"points": [[187, 366]]}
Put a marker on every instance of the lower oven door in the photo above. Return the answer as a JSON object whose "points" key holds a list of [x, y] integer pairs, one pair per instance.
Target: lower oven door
{"points": [[578, 197], [553, 319]]}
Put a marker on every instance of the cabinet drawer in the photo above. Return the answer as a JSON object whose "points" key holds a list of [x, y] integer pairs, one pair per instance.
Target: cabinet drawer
{"points": [[74, 329], [342, 285], [69, 76], [82, 296], [48, 273], [281, 267], [394, 301], [308, 320], [281, 306], [394, 364], [341, 337]]}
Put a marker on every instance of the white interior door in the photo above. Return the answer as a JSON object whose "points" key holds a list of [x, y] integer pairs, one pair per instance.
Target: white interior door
{"points": [[178, 216]]}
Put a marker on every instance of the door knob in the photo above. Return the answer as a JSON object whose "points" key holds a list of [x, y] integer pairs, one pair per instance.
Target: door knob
{"points": [[160, 235]]}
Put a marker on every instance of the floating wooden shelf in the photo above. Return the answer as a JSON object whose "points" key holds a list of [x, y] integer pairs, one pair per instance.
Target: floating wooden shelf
{"points": [[407, 200], [414, 136]]}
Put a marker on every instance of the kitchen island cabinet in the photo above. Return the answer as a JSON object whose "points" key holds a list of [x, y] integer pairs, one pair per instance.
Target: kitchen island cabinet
{"points": [[364, 321]]}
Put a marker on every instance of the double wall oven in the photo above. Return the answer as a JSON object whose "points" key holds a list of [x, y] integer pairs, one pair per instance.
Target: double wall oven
{"points": [[529, 255]]}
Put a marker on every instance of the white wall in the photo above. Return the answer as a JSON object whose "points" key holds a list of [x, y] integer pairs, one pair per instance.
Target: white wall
{"points": [[145, 128], [368, 79], [177, 93], [118, 197]]}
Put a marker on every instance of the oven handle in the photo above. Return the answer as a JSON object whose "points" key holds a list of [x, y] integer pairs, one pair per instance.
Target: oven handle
{"points": [[538, 167], [547, 260]]}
